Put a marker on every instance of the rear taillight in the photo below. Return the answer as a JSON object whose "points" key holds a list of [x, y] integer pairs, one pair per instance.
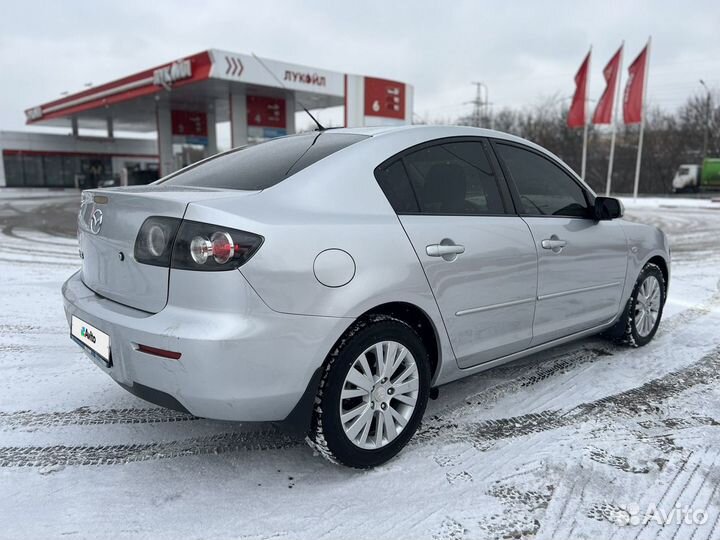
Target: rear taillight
{"points": [[189, 245], [199, 246], [155, 239]]}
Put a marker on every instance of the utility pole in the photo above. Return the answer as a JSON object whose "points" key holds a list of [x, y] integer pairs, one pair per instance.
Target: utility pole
{"points": [[707, 121]]}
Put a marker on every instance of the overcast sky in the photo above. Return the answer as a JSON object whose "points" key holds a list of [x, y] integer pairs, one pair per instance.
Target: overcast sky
{"points": [[524, 51]]}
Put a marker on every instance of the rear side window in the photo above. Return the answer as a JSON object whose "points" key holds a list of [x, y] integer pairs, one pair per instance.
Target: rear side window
{"points": [[395, 184], [545, 189], [263, 165], [454, 178]]}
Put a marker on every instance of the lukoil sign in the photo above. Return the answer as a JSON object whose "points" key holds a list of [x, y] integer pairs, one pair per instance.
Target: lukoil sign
{"points": [[166, 75]]}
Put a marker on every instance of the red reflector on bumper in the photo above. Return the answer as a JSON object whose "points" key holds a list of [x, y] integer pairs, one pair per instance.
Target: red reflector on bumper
{"points": [[158, 352]]}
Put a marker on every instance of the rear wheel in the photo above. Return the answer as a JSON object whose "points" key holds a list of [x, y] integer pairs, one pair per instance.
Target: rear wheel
{"points": [[372, 394]]}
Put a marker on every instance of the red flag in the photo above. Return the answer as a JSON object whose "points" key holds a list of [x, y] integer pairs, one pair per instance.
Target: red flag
{"points": [[604, 109], [635, 89], [576, 114]]}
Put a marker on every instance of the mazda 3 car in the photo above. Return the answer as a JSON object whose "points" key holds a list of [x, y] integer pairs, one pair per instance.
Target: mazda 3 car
{"points": [[334, 280]]}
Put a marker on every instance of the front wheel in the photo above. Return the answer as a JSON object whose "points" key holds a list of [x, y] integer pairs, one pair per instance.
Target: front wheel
{"points": [[644, 309], [372, 394]]}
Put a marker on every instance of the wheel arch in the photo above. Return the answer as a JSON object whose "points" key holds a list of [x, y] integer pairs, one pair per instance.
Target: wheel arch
{"points": [[661, 263], [299, 419], [420, 321]]}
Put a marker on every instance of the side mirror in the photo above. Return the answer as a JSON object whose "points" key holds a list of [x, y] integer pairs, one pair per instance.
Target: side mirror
{"points": [[607, 208]]}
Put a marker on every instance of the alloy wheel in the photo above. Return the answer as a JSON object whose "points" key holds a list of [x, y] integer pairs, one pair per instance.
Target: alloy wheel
{"points": [[379, 395], [647, 306]]}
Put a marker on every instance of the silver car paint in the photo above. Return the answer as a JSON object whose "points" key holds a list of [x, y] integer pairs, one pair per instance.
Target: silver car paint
{"points": [[484, 317], [579, 285], [252, 339], [240, 360], [644, 243]]}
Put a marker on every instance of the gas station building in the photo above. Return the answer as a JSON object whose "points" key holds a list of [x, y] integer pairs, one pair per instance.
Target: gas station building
{"points": [[182, 102]]}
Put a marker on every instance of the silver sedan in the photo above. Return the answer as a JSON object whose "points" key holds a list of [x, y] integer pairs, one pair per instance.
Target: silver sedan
{"points": [[334, 280]]}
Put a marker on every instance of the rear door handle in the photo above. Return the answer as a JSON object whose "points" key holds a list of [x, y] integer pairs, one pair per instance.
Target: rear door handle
{"points": [[449, 252], [438, 250], [553, 243]]}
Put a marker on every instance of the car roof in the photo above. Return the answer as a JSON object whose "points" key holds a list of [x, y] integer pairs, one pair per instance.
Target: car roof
{"points": [[435, 130], [430, 132]]}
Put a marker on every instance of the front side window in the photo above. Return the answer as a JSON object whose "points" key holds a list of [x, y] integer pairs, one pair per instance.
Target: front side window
{"points": [[454, 178], [545, 189]]}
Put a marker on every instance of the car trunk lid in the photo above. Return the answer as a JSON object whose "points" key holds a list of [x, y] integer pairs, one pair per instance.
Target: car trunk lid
{"points": [[108, 225]]}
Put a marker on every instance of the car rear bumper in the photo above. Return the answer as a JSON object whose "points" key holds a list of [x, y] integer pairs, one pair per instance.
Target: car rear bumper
{"points": [[246, 363]]}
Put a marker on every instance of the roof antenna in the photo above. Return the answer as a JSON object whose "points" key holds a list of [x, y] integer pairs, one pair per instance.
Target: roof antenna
{"points": [[320, 127]]}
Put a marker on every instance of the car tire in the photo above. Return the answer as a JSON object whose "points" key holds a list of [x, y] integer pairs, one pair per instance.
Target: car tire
{"points": [[385, 404], [642, 315]]}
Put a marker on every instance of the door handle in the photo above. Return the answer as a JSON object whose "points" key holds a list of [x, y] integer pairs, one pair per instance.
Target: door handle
{"points": [[438, 250], [553, 243], [446, 249]]}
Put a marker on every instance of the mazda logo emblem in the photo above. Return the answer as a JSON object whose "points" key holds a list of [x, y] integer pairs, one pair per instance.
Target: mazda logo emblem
{"points": [[96, 221]]}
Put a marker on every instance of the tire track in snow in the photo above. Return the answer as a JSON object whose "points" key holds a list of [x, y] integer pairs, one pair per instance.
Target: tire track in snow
{"points": [[713, 497], [702, 480], [23, 250], [36, 237], [678, 476], [630, 403], [570, 499], [688, 488], [85, 416], [56, 219], [117, 454], [539, 373], [41, 262]]}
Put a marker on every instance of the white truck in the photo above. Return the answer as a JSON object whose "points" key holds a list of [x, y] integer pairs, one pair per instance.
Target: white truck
{"points": [[693, 177]]}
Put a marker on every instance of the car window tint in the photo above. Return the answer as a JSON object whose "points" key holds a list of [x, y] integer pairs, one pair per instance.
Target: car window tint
{"points": [[263, 165], [545, 189], [454, 178], [395, 184]]}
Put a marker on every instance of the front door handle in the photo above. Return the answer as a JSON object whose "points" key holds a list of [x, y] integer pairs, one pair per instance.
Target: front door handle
{"points": [[446, 249], [553, 243]]}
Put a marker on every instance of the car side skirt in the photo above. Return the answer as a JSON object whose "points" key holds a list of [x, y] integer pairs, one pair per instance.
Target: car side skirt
{"points": [[465, 372]]}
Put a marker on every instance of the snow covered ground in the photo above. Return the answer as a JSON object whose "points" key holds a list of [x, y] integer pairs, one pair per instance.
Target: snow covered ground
{"points": [[577, 442]]}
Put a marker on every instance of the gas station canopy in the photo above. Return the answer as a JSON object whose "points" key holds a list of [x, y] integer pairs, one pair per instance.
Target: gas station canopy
{"points": [[183, 99]]}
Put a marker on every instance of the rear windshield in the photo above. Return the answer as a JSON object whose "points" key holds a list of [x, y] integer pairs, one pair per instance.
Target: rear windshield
{"points": [[263, 165]]}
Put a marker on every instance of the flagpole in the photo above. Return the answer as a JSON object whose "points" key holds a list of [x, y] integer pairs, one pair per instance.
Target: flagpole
{"points": [[615, 120], [584, 152], [642, 121], [585, 114]]}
